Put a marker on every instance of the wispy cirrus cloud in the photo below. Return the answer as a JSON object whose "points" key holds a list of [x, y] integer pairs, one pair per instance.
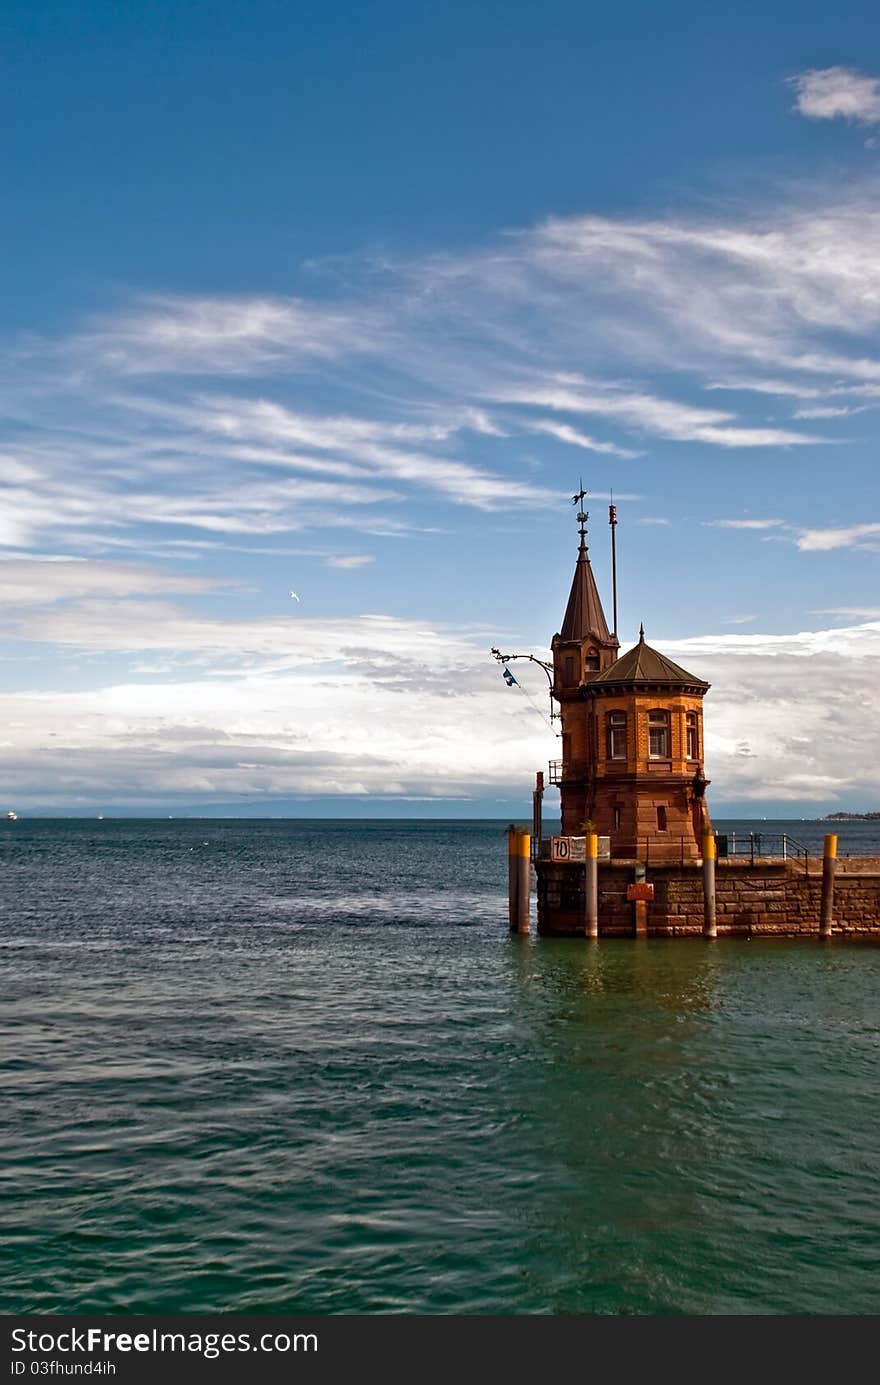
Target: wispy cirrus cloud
{"points": [[831, 93], [850, 612], [32, 582], [797, 389], [636, 324], [80, 509], [230, 335], [807, 540], [755, 289], [350, 560], [648, 413], [233, 466], [851, 536], [830, 411], [565, 433], [376, 448], [568, 320], [746, 523], [752, 385]]}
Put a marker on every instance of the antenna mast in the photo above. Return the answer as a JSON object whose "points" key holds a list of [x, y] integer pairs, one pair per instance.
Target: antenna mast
{"points": [[612, 520]]}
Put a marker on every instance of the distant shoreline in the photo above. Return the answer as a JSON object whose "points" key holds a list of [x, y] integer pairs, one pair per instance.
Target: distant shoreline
{"points": [[723, 819]]}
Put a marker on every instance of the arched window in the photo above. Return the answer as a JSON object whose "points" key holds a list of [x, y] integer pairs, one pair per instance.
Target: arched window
{"points": [[658, 734], [591, 662], [617, 735], [693, 736]]}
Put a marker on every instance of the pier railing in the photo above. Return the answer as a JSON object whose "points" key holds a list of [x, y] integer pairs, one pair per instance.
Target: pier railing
{"points": [[752, 846], [761, 844]]}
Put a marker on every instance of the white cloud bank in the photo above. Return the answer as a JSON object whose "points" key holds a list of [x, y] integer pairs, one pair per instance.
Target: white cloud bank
{"points": [[791, 717], [376, 705], [370, 705]]}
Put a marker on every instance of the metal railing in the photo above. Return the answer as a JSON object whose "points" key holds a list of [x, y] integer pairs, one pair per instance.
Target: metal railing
{"points": [[665, 850], [756, 845], [563, 771], [668, 850]]}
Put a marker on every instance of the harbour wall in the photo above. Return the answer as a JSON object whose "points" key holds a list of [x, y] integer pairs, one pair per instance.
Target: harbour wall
{"points": [[766, 898]]}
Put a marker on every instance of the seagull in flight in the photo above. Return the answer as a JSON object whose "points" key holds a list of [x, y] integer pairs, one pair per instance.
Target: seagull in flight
{"points": [[294, 595]]}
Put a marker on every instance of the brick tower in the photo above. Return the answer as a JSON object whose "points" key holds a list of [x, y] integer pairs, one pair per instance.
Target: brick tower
{"points": [[582, 649], [632, 735]]}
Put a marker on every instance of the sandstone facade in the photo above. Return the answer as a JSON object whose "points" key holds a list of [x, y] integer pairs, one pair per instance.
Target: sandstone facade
{"points": [[766, 898]]}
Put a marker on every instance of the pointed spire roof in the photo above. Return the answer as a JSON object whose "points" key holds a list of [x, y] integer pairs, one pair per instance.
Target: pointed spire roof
{"points": [[584, 616], [642, 664]]}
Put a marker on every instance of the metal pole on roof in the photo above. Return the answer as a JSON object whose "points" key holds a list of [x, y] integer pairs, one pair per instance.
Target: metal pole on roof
{"points": [[612, 520]]}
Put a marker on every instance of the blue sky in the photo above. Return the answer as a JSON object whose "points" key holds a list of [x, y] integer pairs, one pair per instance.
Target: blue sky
{"points": [[345, 299]]}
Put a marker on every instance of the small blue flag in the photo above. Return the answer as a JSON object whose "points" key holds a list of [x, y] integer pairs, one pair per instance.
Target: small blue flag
{"points": [[509, 678]]}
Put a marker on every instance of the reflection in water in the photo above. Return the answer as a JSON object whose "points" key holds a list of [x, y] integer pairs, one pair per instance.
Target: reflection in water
{"points": [[675, 977], [693, 1160], [628, 1022]]}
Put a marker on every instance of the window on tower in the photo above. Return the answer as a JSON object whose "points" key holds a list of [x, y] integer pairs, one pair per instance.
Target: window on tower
{"points": [[658, 734], [617, 735], [661, 817], [568, 669], [693, 736], [592, 661]]}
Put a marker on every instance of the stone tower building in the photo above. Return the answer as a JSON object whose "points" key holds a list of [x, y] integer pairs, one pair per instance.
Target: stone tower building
{"points": [[632, 735]]}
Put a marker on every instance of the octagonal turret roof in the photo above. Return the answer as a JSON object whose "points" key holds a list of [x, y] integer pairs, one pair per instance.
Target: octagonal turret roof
{"points": [[642, 664]]}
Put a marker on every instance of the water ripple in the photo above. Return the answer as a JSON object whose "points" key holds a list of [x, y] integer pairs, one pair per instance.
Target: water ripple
{"points": [[277, 1075]]}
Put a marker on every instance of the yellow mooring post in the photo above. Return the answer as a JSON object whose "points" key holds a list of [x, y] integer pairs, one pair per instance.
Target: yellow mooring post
{"points": [[512, 876], [591, 885], [829, 865], [519, 866], [710, 929]]}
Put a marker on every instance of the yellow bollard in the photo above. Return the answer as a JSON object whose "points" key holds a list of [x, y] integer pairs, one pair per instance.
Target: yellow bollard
{"points": [[524, 886], [829, 866], [710, 929], [512, 876], [519, 866], [591, 885]]}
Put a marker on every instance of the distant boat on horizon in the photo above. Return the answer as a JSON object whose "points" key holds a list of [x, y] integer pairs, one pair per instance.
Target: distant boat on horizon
{"points": [[11, 817]]}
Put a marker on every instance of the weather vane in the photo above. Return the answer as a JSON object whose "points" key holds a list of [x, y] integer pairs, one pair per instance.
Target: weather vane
{"points": [[582, 514]]}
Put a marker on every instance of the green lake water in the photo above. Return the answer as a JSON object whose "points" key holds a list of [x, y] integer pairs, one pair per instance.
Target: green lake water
{"points": [[301, 1067]]}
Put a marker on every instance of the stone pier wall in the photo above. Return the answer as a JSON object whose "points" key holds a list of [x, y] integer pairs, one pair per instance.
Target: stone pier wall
{"points": [[763, 898]]}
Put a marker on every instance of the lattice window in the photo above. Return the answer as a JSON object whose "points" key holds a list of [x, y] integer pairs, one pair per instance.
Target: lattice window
{"points": [[617, 735], [658, 734], [692, 732]]}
